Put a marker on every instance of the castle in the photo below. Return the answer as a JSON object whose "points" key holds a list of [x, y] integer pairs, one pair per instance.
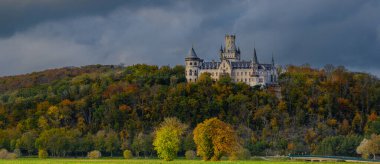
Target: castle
{"points": [[250, 72]]}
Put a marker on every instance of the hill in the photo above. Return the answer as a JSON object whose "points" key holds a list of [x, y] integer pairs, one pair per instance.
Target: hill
{"points": [[112, 108]]}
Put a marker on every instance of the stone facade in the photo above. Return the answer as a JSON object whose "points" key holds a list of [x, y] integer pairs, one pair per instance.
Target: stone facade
{"points": [[250, 72]]}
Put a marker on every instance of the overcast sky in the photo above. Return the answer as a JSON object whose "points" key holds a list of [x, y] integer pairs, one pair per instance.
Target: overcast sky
{"points": [[41, 34]]}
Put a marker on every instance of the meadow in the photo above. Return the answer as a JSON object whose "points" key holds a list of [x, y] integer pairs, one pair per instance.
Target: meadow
{"points": [[141, 161]]}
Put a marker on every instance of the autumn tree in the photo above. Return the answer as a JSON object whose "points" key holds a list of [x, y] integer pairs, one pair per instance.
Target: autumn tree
{"points": [[369, 146], [214, 138]]}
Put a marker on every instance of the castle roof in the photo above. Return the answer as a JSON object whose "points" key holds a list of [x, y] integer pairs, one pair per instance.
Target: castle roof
{"points": [[210, 65], [192, 53], [236, 65]]}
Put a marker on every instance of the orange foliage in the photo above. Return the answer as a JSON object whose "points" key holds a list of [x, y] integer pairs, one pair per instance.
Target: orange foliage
{"points": [[344, 104], [66, 102], [332, 122], [124, 108], [373, 116], [215, 138]]}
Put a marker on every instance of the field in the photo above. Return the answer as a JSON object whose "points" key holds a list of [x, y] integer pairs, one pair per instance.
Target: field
{"points": [[141, 161]]}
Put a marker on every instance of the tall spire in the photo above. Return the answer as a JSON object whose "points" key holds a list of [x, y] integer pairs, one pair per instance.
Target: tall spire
{"points": [[255, 61], [272, 59]]}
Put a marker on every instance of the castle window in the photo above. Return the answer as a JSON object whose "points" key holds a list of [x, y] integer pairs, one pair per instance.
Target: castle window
{"points": [[191, 63], [245, 73], [191, 72], [195, 73], [195, 63]]}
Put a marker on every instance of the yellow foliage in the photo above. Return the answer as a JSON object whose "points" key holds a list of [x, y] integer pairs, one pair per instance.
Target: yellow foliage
{"points": [[214, 139]]}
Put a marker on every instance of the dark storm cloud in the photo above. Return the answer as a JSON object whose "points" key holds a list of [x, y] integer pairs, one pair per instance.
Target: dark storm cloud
{"points": [[41, 34]]}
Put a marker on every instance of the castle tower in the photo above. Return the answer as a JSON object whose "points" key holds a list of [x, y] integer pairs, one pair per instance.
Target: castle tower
{"points": [[230, 51], [192, 66]]}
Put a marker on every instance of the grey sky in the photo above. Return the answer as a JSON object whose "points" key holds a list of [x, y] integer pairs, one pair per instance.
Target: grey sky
{"points": [[41, 34]]}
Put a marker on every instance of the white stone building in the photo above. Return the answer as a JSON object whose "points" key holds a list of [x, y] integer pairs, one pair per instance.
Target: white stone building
{"points": [[250, 72]]}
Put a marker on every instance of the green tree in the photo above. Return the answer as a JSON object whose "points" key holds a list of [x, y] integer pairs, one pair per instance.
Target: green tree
{"points": [[27, 141], [112, 142], [168, 137]]}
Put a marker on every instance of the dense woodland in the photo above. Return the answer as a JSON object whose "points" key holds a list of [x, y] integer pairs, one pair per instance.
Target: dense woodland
{"points": [[71, 111]]}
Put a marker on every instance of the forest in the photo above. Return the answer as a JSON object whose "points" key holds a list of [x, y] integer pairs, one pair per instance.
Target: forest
{"points": [[72, 111]]}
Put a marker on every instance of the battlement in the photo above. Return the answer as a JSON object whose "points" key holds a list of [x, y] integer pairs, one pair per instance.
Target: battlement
{"points": [[230, 42]]}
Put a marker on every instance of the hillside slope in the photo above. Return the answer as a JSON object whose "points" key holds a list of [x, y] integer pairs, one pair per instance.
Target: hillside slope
{"points": [[317, 108]]}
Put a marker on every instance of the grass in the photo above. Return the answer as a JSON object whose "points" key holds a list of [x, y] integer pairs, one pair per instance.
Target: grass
{"points": [[142, 161]]}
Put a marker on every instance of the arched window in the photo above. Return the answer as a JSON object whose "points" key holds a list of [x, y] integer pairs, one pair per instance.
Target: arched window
{"points": [[195, 63], [191, 63], [191, 72], [195, 73]]}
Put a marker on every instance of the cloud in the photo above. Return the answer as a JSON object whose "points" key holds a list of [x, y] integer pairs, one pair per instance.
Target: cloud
{"points": [[161, 32]]}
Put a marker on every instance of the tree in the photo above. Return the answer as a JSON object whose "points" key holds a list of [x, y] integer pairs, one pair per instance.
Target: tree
{"points": [[58, 141], [168, 137], [369, 146], [27, 141], [112, 142], [215, 138]]}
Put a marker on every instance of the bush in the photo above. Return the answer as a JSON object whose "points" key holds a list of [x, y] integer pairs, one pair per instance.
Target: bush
{"points": [[190, 154], [17, 152], [242, 154], [11, 156], [127, 154], [42, 154], [94, 154], [3, 153]]}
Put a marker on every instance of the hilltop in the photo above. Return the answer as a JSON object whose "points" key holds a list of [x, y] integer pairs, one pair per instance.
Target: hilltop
{"points": [[319, 112]]}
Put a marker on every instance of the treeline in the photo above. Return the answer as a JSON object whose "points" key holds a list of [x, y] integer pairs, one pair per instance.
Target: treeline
{"points": [[313, 111]]}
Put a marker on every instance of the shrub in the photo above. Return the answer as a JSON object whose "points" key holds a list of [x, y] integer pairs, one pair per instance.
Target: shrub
{"points": [[42, 154], [242, 154], [94, 154], [190, 154], [127, 154], [3, 153], [11, 156], [17, 152]]}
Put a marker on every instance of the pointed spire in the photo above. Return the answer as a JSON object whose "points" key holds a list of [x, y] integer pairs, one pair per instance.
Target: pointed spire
{"points": [[255, 61], [192, 53], [272, 59], [221, 48]]}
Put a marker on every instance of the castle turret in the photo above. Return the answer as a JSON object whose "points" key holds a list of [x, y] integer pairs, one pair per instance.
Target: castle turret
{"points": [[230, 51], [192, 66]]}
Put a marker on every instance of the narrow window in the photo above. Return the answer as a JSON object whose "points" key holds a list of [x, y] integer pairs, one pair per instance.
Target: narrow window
{"points": [[191, 73], [191, 63]]}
